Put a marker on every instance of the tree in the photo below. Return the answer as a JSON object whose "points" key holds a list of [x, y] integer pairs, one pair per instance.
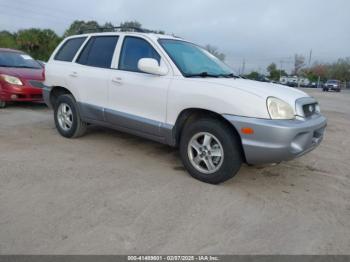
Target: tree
{"points": [[38, 43], [7, 40], [130, 24], [339, 70], [274, 72], [253, 75], [80, 27], [214, 51], [299, 62]]}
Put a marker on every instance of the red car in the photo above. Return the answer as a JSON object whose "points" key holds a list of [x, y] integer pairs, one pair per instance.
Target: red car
{"points": [[21, 77]]}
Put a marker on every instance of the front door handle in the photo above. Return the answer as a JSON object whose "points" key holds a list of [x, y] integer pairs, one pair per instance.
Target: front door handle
{"points": [[117, 80]]}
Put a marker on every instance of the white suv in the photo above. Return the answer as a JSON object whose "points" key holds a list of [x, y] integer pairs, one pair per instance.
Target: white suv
{"points": [[174, 92]]}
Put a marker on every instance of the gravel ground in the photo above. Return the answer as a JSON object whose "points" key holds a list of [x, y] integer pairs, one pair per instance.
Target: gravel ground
{"points": [[113, 193]]}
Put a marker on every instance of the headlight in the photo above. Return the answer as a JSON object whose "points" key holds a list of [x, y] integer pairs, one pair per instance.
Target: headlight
{"points": [[318, 109], [12, 80], [279, 109]]}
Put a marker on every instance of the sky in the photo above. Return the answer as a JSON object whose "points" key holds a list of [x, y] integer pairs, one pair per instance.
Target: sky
{"points": [[255, 31]]}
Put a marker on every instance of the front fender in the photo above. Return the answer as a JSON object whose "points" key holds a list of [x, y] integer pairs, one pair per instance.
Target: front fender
{"points": [[184, 94]]}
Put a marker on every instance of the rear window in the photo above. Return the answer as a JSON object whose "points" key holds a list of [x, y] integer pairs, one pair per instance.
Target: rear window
{"points": [[98, 51], [69, 49]]}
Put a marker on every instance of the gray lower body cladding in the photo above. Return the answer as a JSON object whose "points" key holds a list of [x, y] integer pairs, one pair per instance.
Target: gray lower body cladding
{"points": [[136, 125], [139, 126], [274, 141], [46, 96]]}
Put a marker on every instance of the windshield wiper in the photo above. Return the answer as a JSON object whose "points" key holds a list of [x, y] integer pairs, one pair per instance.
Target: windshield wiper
{"points": [[202, 74], [231, 75], [206, 74]]}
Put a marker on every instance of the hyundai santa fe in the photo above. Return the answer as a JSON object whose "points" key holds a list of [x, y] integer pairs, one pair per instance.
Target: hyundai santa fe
{"points": [[173, 91]]}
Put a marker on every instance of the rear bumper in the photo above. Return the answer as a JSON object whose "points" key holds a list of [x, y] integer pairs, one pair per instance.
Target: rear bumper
{"points": [[274, 141]]}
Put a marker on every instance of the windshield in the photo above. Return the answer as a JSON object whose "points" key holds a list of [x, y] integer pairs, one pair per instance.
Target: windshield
{"points": [[18, 60], [193, 60]]}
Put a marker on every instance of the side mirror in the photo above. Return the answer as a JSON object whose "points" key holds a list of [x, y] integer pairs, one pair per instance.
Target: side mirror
{"points": [[151, 66]]}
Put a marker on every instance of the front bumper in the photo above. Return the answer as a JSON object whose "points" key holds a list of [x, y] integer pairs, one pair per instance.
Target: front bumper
{"points": [[274, 141], [20, 93], [333, 88]]}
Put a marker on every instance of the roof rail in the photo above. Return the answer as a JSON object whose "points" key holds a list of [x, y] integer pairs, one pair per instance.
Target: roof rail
{"points": [[116, 29]]}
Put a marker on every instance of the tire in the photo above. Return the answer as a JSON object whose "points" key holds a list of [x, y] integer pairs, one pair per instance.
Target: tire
{"points": [[2, 104], [224, 142], [67, 119]]}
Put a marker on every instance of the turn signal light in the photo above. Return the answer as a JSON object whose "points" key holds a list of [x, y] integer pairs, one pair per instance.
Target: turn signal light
{"points": [[247, 130]]}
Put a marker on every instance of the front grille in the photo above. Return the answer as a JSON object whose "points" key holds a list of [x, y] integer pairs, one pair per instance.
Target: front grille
{"points": [[309, 109], [37, 84]]}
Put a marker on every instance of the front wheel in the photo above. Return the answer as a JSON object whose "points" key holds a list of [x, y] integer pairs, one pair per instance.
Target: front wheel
{"points": [[2, 104], [210, 150], [67, 118]]}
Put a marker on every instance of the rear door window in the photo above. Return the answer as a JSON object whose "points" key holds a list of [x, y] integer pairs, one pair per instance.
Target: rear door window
{"points": [[69, 49], [99, 51]]}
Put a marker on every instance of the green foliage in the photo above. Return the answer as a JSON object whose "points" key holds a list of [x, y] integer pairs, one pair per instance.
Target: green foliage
{"points": [[38, 43], [81, 27], [214, 51], [274, 72], [130, 24], [253, 75], [339, 70], [7, 40]]}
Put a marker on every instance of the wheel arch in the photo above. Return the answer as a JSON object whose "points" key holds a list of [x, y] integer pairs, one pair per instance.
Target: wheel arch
{"points": [[56, 91], [192, 114]]}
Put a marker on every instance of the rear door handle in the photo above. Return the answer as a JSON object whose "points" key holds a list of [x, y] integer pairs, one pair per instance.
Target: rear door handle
{"points": [[117, 80], [73, 74]]}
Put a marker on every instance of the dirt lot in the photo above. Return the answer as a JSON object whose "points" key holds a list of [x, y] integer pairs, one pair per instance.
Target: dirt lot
{"points": [[112, 193]]}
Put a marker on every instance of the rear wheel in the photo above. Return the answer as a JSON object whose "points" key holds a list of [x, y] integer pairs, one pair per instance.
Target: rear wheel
{"points": [[67, 118], [2, 104], [210, 151]]}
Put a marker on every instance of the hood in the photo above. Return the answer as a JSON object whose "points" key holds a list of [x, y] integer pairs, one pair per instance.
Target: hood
{"points": [[261, 89], [24, 73]]}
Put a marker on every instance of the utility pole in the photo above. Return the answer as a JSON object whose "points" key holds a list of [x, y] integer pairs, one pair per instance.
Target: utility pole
{"points": [[281, 65], [310, 57], [243, 66]]}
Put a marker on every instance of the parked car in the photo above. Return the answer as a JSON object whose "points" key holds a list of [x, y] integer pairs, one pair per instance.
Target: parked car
{"points": [[21, 77], [332, 85], [317, 84], [174, 92]]}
